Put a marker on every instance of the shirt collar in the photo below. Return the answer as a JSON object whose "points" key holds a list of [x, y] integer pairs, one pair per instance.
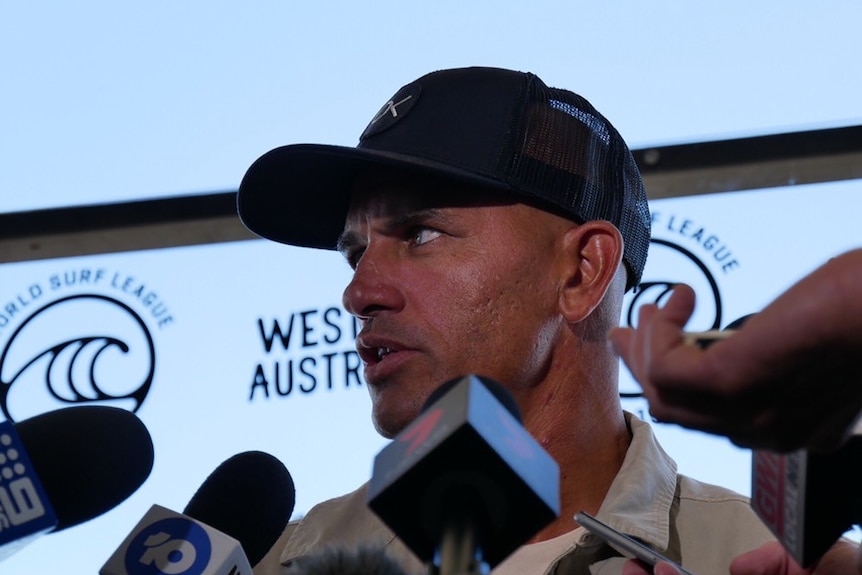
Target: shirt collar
{"points": [[639, 500]]}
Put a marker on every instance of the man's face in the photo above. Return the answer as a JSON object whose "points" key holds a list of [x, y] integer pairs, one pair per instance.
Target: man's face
{"points": [[444, 287]]}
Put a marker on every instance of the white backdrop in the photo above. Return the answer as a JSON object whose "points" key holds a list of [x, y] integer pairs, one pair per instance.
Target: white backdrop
{"points": [[203, 312]]}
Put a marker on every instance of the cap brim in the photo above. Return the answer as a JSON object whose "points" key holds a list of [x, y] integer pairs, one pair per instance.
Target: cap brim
{"points": [[299, 194]]}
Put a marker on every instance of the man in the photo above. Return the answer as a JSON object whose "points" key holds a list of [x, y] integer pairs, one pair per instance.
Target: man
{"points": [[493, 225]]}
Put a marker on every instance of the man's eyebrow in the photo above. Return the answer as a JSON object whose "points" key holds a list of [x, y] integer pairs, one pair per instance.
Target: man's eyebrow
{"points": [[412, 218], [349, 240], [400, 224], [346, 241]]}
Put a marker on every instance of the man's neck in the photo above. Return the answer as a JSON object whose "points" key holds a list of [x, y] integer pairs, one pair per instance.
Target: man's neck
{"points": [[589, 450]]}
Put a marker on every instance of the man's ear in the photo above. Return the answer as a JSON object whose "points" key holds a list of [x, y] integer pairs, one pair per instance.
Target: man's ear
{"points": [[593, 252]]}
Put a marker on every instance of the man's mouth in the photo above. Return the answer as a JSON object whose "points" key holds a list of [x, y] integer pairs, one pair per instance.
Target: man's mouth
{"points": [[373, 352], [383, 352]]}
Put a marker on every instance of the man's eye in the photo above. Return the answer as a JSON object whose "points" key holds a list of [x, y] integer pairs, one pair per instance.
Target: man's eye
{"points": [[424, 235], [353, 257]]}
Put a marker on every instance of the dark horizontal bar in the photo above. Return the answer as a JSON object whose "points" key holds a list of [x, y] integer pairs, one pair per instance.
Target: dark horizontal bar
{"points": [[86, 218], [750, 150], [655, 162]]}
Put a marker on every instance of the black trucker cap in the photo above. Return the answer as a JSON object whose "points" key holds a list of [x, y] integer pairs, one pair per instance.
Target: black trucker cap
{"points": [[495, 128]]}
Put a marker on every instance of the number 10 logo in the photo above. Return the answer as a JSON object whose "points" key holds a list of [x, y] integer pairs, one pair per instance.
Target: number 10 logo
{"points": [[173, 546]]}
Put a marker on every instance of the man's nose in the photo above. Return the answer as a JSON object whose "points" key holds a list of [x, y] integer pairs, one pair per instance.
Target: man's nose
{"points": [[374, 288]]}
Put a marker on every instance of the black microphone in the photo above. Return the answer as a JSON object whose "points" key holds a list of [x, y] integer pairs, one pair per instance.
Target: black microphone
{"points": [[230, 523], [341, 561], [249, 497], [64, 467], [808, 500], [465, 484]]}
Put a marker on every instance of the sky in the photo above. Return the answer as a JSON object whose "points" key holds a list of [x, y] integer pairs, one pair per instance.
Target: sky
{"points": [[112, 101]]}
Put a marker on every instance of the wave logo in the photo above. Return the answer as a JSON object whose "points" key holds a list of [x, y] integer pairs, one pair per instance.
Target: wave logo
{"points": [[670, 264], [80, 349], [171, 546]]}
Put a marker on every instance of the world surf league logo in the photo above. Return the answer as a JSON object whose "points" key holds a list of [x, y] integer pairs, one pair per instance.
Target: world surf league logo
{"points": [[682, 250], [78, 337]]}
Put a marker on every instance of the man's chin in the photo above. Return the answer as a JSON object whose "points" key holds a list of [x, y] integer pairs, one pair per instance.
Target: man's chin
{"points": [[390, 424], [387, 428]]}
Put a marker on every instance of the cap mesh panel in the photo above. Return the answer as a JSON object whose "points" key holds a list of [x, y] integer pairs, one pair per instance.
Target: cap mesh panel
{"points": [[565, 152]]}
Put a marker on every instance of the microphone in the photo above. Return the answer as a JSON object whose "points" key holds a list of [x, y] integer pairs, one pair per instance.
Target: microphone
{"points": [[65, 467], [230, 523], [340, 561], [808, 500], [249, 497], [465, 484]]}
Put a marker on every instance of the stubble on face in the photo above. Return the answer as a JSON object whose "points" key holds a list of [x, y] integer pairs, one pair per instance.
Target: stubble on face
{"points": [[479, 296]]}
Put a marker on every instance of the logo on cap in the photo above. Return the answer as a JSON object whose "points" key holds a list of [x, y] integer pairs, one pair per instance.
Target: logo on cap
{"points": [[393, 110]]}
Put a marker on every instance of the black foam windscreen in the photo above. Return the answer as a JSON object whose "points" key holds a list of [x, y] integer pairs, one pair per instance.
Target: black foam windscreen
{"points": [[249, 497], [340, 561], [89, 459]]}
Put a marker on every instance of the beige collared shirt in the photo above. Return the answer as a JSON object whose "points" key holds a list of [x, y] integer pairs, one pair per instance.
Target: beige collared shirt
{"points": [[701, 526]]}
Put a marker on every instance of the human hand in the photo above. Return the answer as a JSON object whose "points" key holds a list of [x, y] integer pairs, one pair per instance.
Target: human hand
{"points": [[683, 383], [843, 558], [635, 567], [789, 378]]}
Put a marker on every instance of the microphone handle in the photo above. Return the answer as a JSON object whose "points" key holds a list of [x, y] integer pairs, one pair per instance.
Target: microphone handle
{"points": [[459, 552]]}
